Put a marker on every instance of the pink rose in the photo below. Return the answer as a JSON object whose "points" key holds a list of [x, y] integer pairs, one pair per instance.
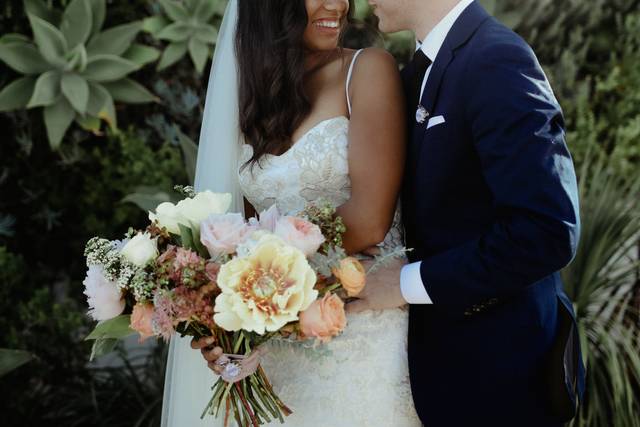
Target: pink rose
{"points": [[269, 218], [300, 233], [325, 318], [222, 233], [141, 320]]}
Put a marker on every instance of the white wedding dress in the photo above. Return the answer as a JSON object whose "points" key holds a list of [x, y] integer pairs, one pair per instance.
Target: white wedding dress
{"points": [[361, 378], [364, 380]]}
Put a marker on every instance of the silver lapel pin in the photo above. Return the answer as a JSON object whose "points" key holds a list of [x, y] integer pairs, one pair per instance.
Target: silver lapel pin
{"points": [[421, 114]]}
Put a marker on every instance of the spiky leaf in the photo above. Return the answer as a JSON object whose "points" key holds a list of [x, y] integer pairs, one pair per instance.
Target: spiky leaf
{"points": [[78, 59], [114, 41], [46, 91], [147, 198], [76, 22], [76, 90], [172, 54], [50, 41], [98, 14], [190, 153], [57, 118], [175, 10], [127, 90], [175, 32], [14, 37], [16, 94], [108, 68], [141, 54], [199, 52], [23, 57], [153, 24], [101, 104], [206, 33], [89, 123], [205, 9], [42, 11]]}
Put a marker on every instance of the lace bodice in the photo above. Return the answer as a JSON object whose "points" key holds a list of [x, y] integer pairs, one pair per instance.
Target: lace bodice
{"points": [[315, 167]]}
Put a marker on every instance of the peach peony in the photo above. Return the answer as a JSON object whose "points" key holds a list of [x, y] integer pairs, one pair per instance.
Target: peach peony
{"points": [[300, 233], [269, 218], [324, 319], [351, 274], [141, 320]]}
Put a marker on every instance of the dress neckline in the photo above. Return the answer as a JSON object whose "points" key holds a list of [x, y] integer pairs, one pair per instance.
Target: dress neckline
{"points": [[306, 134]]}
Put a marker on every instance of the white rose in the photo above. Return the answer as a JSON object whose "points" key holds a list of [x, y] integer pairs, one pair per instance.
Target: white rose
{"points": [[191, 211], [103, 296], [168, 217], [202, 205], [140, 250]]}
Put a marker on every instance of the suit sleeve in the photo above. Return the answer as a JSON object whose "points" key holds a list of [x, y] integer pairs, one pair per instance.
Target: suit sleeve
{"points": [[518, 135]]}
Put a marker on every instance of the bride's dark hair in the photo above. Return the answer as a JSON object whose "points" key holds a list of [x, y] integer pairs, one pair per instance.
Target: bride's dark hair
{"points": [[270, 52]]}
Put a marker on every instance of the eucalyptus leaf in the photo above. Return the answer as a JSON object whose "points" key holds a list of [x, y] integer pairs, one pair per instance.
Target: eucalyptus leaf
{"points": [[116, 328], [108, 68], [114, 41], [127, 90], [57, 119], [174, 10], [175, 32], [199, 52], [12, 359], [76, 90], [46, 91], [102, 346], [23, 57], [76, 22], [50, 41], [16, 94], [141, 54], [172, 54]]}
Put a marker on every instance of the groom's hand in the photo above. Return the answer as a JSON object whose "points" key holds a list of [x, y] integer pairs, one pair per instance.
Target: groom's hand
{"points": [[382, 290]]}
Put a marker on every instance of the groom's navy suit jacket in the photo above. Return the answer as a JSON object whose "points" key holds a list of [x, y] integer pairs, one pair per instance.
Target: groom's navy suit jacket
{"points": [[490, 207]]}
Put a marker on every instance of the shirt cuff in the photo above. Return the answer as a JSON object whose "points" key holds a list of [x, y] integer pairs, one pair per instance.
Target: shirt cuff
{"points": [[411, 286]]}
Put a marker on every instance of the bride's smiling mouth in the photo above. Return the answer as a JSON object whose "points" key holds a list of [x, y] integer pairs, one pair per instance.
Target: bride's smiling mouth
{"points": [[330, 26]]}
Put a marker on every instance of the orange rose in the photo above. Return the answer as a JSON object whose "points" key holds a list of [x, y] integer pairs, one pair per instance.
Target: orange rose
{"points": [[325, 318], [352, 275], [141, 320]]}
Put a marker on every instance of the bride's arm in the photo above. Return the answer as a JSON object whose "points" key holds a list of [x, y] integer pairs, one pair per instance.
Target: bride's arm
{"points": [[377, 139]]}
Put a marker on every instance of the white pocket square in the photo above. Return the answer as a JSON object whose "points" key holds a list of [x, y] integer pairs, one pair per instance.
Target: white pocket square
{"points": [[434, 121]]}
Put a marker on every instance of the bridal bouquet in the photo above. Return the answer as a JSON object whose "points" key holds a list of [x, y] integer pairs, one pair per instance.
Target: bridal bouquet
{"points": [[199, 271]]}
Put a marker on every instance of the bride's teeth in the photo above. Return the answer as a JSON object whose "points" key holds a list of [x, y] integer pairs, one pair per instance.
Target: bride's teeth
{"points": [[327, 24]]}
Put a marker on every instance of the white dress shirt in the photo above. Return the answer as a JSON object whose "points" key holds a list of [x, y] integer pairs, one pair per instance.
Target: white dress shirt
{"points": [[413, 290]]}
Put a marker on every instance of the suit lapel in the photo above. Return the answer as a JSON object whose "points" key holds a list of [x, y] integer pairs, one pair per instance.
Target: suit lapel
{"points": [[464, 27]]}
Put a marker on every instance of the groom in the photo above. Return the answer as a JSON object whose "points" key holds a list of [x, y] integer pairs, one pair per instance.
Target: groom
{"points": [[490, 208]]}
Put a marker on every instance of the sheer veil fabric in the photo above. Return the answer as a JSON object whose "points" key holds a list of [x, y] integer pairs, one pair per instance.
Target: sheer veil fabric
{"points": [[188, 379]]}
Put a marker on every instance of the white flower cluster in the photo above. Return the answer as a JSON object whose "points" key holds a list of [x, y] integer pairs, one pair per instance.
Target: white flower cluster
{"points": [[142, 285]]}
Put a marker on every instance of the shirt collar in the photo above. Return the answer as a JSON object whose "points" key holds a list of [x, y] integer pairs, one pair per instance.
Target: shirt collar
{"points": [[431, 45]]}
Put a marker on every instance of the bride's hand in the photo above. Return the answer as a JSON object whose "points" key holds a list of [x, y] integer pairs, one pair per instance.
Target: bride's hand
{"points": [[382, 290], [210, 353]]}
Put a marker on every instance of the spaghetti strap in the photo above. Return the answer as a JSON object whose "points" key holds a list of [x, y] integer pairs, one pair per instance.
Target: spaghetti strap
{"points": [[353, 61]]}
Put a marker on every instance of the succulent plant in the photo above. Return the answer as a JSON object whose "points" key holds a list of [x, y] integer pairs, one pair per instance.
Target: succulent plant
{"points": [[72, 68], [187, 26]]}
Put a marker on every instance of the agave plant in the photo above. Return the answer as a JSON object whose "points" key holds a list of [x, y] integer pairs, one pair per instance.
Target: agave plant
{"points": [[600, 281], [72, 68], [187, 26]]}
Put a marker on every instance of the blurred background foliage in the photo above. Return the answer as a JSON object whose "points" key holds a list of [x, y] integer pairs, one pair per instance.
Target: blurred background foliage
{"points": [[97, 178]]}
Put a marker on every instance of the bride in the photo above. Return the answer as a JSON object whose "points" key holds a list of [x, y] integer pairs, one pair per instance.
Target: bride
{"points": [[290, 118]]}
